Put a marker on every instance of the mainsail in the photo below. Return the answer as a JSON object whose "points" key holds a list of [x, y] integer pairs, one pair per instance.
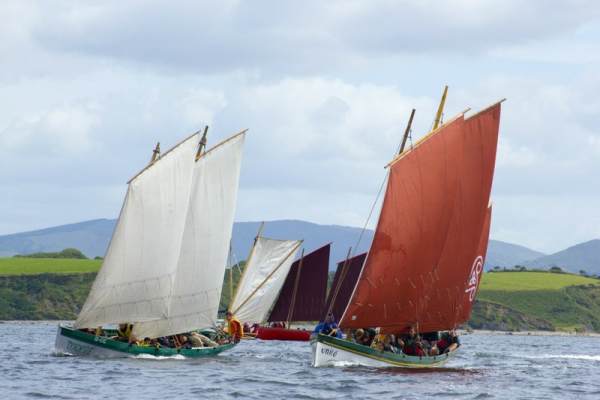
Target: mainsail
{"points": [[307, 290], [194, 301], [169, 247], [418, 270], [267, 266], [344, 281]]}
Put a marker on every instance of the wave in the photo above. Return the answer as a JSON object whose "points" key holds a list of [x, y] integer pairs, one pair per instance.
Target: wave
{"points": [[345, 364], [585, 357], [151, 357]]}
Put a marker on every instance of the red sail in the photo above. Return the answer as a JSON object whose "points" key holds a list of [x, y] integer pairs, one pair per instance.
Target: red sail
{"points": [[353, 267], [474, 273], [429, 230], [311, 292]]}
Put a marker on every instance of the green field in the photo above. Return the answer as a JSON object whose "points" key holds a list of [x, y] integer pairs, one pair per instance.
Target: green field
{"points": [[53, 288], [35, 266], [564, 301], [519, 281]]}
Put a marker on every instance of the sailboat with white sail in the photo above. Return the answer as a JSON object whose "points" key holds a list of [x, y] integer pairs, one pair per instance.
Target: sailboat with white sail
{"points": [[426, 259], [264, 274], [165, 264], [301, 299]]}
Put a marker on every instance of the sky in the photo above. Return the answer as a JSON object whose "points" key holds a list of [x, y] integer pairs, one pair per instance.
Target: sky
{"points": [[325, 88]]}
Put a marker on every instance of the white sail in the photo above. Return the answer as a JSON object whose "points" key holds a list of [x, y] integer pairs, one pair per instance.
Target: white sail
{"points": [[264, 275], [203, 256], [137, 275]]}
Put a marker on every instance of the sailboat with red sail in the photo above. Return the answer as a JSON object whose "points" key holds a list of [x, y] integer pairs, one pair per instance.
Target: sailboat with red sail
{"points": [[301, 299], [344, 280], [426, 259]]}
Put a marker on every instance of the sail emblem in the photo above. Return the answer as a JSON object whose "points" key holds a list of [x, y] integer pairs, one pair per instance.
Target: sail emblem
{"points": [[473, 281]]}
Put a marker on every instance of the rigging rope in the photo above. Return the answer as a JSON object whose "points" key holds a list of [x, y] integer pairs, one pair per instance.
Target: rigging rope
{"points": [[370, 214]]}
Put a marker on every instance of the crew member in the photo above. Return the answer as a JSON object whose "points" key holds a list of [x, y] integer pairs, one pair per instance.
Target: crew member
{"points": [[124, 333], [234, 327]]}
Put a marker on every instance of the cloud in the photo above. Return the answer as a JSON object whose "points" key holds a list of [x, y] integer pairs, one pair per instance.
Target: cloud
{"points": [[298, 38], [325, 88]]}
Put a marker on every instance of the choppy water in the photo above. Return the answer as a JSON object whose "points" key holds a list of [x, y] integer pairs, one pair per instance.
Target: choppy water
{"points": [[488, 366]]}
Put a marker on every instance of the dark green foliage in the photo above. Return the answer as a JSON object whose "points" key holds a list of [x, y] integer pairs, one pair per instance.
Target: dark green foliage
{"points": [[491, 316], [45, 296], [66, 253], [571, 308], [225, 293]]}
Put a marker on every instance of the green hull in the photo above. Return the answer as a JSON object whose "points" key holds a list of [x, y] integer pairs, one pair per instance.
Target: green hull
{"points": [[75, 342], [331, 351]]}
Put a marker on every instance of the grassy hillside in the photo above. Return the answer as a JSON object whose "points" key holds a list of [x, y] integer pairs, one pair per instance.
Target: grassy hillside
{"points": [[550, 301], [34, 288], [525, 281], [35, 266]]}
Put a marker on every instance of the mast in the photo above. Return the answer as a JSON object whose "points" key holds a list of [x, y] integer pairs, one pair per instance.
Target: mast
{"points": [[155, 154], [407, 131], [231, 299], [340, 280], [440, 110], [293, 301], [202, 145], [230, 284]]}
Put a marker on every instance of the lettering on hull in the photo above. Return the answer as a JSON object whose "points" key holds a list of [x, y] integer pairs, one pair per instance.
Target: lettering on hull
{"points": [[76, 348], [329, 352]]}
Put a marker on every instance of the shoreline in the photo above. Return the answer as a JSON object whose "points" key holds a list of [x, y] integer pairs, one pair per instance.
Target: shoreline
{"points": [[462, 332], [528, 333]]}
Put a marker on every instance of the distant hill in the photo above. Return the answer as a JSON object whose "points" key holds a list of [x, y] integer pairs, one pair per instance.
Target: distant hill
{"points": [[583, 256], [92, 237], [503, 254], [314, 235]]}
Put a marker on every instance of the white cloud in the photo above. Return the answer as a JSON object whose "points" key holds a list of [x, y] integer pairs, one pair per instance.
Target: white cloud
{"points": [[66, 129], [297, 38], [325, 88]]}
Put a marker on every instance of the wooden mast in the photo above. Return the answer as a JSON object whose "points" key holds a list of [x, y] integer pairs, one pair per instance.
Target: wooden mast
{"points": [[407, 131], [155, 154], [260, 228], [202, 145], [440, 110], [230, 284], [295, 292], [339, 282]]}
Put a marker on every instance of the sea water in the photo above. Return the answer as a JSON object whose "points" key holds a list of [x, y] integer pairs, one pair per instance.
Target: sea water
{"points": [[488, 366]]}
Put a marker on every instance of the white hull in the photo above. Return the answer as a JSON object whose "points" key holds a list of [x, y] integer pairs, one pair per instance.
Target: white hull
{"points": [[332, 352], [73, 347], [325, 355]]}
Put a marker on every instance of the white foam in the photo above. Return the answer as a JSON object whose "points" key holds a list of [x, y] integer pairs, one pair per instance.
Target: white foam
{"points": [[151, 357], [61, 354], [344, 363], [567, 356]]}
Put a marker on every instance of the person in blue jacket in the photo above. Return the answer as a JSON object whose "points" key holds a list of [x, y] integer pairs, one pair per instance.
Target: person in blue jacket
{"points": [[328, 327]]}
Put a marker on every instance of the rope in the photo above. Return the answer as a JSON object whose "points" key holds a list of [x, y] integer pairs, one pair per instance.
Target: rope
{"points": [[370, 214]]}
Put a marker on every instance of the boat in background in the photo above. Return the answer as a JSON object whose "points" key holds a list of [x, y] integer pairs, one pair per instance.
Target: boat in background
{"points": [[426, 259], [164, 267], [344, 281], [301, 298], [264, 274]]}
